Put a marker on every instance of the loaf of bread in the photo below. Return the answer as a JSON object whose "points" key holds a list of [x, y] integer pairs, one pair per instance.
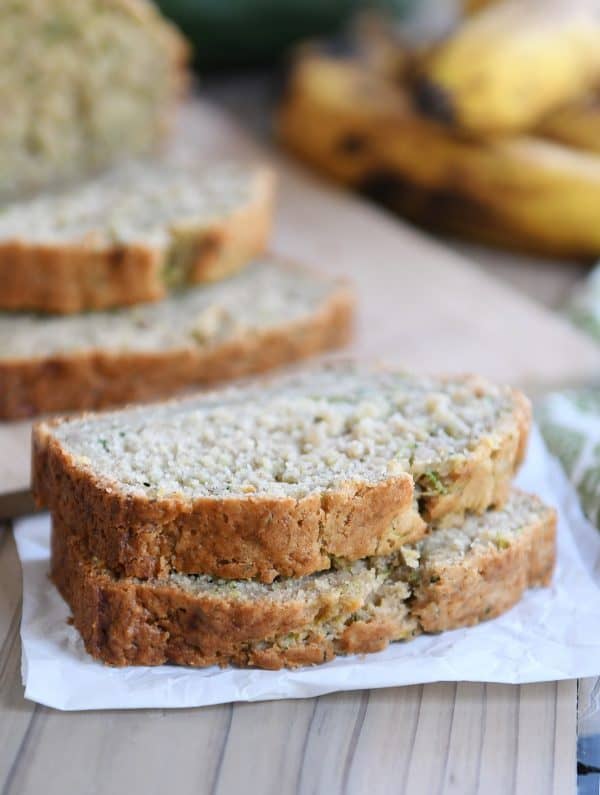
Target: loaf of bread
{"points": [[129, 235], [84, 83], [270, 314], [454, 577], [281, 478]]}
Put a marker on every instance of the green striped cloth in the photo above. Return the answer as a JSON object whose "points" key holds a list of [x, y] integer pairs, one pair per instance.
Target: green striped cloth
{"points": [[570, 420], [570, 423]]}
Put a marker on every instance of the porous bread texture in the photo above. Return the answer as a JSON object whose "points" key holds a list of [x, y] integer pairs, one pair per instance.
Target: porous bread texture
{"points": [[83, 84], [455, 577], [480, 568], [279, 478], [271, 314], [128, 236]]}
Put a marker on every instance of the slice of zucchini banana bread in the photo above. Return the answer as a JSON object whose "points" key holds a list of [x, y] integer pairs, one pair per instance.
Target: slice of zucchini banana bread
{"points": [[83, 84], [129, 235], [280, 478], [454, 577], [270, 314]]}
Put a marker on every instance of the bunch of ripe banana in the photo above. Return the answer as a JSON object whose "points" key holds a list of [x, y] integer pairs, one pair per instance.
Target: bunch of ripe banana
{"points": [[492, 133]]}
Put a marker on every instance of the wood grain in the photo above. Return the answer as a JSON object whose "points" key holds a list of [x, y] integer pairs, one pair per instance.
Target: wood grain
{"points": [[421, 305]]}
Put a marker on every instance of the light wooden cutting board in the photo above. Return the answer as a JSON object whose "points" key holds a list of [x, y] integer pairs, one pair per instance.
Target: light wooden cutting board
{"points": [[420, 305]]}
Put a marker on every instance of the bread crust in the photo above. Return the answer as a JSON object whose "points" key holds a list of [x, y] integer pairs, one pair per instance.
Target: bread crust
{"points": [[260, 538], [70, 278], [242, 538], [127, 622], [484, 478], [131, 622], [100, 379], [489, 585]]}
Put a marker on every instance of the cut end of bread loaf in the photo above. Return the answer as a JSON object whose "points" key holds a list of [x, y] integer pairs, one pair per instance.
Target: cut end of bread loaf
{"points": [[84, 85], [455, 577], [282, 477], [197, 337], [130, 235]]}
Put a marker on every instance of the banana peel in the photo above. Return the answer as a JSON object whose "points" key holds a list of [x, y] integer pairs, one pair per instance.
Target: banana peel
{"points": [[333, 113], [576, 124], [508, 65], [523, 192]]}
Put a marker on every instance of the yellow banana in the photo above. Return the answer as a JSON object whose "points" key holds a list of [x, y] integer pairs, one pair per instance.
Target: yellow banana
{"points": [[576, 124], [508, 65], [333, 114], [521, 191]]}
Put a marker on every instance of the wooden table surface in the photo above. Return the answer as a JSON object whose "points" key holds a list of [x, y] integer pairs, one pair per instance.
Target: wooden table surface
{"points": [[443, 738]]}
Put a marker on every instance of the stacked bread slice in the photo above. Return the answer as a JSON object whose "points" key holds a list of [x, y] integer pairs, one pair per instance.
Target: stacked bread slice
{"points": [[149, 279], [281, 523]]}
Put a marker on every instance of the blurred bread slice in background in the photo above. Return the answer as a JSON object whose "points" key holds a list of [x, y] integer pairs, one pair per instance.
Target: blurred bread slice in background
{"points": [[83, 84], [133, 233]]}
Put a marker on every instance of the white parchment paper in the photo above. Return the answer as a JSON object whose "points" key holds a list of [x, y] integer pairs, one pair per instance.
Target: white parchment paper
{"points": [[553, 633]]}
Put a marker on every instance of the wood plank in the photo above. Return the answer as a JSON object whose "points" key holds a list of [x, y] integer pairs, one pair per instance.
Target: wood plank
{"points": [[17, 503], [420, 304], [10, 583], [466, 742], [564, 778], [16, 714], [14, 465], [547, 282], [405, 740], [267, 744], [536, 754], [387, 739], [150, 751]]}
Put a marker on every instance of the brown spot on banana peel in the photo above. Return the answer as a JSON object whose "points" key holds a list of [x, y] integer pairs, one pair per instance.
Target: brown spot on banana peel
{"points": [[352, 143], [447, 212], [434, 101]]}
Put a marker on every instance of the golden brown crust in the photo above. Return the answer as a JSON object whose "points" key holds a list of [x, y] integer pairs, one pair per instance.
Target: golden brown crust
{"points": [[359, 637], [78, 277], [128, 622], [226, 248], [483, 481], [487, 586], [251, 538], [100, 379], [259, 538], [67, 279]]}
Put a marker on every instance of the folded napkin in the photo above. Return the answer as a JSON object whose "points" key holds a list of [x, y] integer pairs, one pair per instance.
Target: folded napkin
{"points": [[570, 420], [570, 424]]}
